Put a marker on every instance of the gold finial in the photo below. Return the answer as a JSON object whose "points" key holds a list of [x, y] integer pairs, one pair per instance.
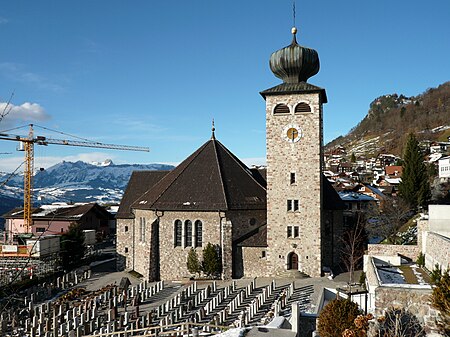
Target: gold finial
{"points": [[213, 129], [294, 30]]}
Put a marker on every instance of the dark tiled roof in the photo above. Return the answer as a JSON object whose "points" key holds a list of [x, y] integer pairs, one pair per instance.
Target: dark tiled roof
{"points": [[139, 183], [255, 238], [62, 212], [210, 179], [294, 88]]}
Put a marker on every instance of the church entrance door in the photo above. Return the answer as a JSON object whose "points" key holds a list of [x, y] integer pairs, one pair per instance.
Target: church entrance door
{"points": [[293, 261]]}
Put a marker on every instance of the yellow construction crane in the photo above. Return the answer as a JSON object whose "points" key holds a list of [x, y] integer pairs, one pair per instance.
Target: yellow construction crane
{"points": [[27, 145]]}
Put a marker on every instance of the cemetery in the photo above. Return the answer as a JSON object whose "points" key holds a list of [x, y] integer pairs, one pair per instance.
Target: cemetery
{"points": [[65, 308]]}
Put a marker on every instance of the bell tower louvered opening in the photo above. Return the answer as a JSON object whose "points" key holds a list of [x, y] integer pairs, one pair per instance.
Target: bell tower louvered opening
{"points": [[302, 108], [281, 109]]}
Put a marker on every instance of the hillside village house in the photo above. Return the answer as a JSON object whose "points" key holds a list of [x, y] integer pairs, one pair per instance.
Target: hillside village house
{"points": [[288, 222], [444, 168], [56, 219]]}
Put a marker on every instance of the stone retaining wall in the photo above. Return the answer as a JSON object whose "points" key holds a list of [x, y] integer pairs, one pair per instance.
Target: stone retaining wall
{"points": [[409, 251], [415, 301], [437, 251]]}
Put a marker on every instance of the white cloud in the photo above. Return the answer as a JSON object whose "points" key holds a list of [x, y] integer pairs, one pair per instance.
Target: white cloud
{"points": [[26, 112]]}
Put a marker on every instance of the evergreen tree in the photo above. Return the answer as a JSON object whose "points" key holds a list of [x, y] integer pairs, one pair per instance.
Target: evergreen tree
{"points": [[193, 263], [72, 247], [414, 187], [211, 260]]}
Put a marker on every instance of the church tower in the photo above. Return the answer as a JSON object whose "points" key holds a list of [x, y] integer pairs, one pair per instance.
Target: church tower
{"points": [[294, 138]]}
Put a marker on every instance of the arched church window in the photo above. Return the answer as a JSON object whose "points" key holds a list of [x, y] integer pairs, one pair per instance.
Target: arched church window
{"points": [[188, 233], [198, 233], [177, 233], [281, 109], [302, 107]]}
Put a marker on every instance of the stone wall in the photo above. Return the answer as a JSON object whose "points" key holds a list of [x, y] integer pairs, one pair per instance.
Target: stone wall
{"points": [[124, 243], [416, 301], [437, 251], [409, 251], [173, 259], [255, 264], [304, 159]]}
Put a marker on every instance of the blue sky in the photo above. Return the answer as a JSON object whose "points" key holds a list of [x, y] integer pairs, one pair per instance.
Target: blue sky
{"points": [[155, 73]]}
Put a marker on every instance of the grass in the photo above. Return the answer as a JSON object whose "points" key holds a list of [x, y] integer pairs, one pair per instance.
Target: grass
{"points": [[408, 274], [443, 137]]}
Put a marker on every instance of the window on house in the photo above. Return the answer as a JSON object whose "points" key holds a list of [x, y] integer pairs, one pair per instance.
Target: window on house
{"points": [[126, 249], [289, 205], [293, 178], [177, 233], [289, 231], [263, 253], [293, 205], [302, 107], [281, 109], [40, 229], [296, 232], [126, 229], [188, 233], [142, 229], [62, 230], [198, 233]]}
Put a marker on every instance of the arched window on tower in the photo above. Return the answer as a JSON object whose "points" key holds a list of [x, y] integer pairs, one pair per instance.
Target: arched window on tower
{"points": [[198, 233], [188, 233], [302, 108], [281, 109], [177, 228]]}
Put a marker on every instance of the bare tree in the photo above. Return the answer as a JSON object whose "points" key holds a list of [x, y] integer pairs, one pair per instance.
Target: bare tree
{"points": [[7, 108], [397, 323], [389, 218], [352, 243]]}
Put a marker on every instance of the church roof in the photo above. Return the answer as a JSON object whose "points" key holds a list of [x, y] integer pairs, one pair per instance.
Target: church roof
{"points": [[140, 182], [295, 88], [210, 179]]}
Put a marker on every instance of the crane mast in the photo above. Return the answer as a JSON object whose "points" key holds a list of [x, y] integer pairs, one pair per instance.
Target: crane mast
{"points": [[28, 146]]}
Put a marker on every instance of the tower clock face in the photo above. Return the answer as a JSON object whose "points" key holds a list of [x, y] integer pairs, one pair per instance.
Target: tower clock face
{"points": [[292, 133]]}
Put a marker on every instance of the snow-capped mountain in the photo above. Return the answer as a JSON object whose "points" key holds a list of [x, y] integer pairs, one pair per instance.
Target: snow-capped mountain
{"points": [[78, 182]]}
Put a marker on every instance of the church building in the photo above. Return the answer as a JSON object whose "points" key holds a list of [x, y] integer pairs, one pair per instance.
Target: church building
{"points": [[285, 219]]}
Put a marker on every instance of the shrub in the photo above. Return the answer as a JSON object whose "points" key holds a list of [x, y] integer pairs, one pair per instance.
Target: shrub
{"points": [[193, 264], [440, 299], [336, 317], [211, 260], [421, 260]]}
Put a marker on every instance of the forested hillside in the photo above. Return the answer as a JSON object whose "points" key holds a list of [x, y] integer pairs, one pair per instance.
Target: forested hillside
{"points": [[392, 117]]}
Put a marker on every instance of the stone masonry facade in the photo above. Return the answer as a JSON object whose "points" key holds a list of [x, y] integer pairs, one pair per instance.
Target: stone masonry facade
{"points": [[154, 254], [304, 159]]}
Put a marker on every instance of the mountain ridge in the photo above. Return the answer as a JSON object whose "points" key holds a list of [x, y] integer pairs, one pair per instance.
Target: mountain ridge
{"points": [[392, 117], [78, 182]]}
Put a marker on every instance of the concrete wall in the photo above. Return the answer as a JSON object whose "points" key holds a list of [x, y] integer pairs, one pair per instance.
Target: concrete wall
{"points": [[439, 219]]}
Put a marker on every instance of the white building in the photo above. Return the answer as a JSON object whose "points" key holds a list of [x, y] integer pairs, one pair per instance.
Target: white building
{"points": [[444, 167]]}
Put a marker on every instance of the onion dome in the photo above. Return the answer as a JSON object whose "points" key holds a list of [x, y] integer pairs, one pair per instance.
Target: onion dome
{"points": [[294, 63]]}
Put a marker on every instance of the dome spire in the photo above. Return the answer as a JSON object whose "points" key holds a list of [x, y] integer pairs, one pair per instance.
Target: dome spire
{"points": [[213, 129]]}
